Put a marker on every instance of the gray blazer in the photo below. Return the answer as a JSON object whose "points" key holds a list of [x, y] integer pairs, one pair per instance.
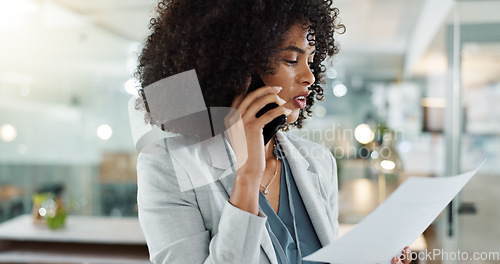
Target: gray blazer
{"points": [[199, 225]]}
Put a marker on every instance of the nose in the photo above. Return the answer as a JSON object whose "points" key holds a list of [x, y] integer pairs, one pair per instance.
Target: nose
{"points": [[306, 77]]}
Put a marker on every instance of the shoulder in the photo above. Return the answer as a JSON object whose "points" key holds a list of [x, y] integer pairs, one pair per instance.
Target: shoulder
{"points": [[187, 162], [156, 162]]}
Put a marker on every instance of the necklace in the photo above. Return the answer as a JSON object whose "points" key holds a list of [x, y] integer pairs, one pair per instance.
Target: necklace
{"points": [[266, 191]]}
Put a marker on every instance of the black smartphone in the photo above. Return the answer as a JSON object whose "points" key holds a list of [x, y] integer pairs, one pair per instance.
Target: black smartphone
{"points": [[272, 127]]}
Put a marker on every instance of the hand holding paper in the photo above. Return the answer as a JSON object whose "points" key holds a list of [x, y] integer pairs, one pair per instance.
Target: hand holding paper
{"points": [[395, 223]]}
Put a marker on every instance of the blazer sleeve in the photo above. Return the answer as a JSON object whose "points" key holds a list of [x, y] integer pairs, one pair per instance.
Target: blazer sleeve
{"points": [[173, 224], [334, 196]]}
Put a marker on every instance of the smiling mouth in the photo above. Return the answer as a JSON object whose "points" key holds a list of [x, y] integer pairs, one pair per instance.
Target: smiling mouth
{"points": [[300, 101]]}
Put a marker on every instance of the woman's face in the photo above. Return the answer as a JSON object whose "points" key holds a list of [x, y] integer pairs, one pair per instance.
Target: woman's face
{"points": [[293, 73]]}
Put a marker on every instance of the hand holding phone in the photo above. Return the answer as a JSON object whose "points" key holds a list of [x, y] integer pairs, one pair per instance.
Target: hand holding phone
{"points": [[272, 127]]}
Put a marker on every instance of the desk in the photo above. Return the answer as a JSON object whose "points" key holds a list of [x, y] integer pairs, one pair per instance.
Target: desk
{"points": [[85, 240]]}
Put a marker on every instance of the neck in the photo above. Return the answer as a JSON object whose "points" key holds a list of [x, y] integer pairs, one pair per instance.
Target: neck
{"points": [[269, 149]]}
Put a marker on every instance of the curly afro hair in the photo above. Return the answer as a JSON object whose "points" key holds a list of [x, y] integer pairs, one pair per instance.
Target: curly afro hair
{"points": [[225, 41]]}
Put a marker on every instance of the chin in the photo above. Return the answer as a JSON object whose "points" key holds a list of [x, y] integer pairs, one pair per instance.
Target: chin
{"points": [[292, 117]]}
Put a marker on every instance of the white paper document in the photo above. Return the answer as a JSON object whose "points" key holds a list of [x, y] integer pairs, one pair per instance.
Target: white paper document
{"points": [[396, 223]]}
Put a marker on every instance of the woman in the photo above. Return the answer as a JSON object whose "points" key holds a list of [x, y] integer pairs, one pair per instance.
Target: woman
{"points": [[277, 202]]}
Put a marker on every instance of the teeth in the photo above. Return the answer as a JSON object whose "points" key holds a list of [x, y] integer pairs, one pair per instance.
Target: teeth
{"points": [[300, 97]]}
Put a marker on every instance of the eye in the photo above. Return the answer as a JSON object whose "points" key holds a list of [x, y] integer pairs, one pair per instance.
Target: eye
{"points": [[291, 62]]}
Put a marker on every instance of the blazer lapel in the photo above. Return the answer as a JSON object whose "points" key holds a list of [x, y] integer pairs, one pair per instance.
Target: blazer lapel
{"points": [[222, 158], [308, 185]]}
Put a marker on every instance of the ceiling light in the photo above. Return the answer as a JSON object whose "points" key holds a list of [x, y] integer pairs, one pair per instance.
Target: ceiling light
{"points": [[131, 86], [339, 89], [8, 133], [104, 132], [331, 73], [364, 134], [12, 13], [388, 164]]}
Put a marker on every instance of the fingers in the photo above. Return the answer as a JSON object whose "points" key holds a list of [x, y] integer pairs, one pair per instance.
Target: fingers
{"points": [[255, 101], [269, 116], [248, 112], [245, 130], [405, 257], [259, 103], [249, 98]]}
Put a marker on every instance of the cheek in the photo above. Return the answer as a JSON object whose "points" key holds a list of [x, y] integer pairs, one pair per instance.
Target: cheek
{"points": [[283, 94], [286, 92], [282, 77]]}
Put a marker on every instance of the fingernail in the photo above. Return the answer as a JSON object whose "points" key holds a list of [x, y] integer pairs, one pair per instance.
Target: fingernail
{"points": [[278, 88], [282, 101], [288, 111]]}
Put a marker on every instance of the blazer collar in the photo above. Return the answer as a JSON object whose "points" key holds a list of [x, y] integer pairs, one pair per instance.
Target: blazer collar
{"points": [[307, 180]]}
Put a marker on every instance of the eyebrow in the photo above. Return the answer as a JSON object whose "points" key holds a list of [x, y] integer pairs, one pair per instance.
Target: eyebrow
{"points": [[297, 49]]}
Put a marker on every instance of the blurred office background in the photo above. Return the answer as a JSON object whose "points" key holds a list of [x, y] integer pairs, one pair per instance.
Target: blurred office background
{"points": [[419, 77]]}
